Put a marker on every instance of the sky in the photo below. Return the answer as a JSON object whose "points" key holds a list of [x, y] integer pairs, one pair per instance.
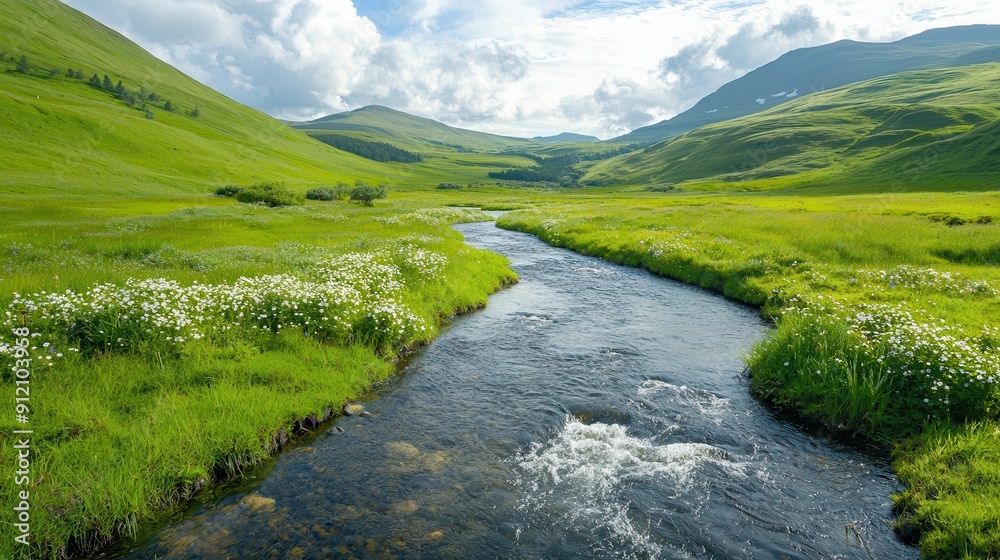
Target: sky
{"points": [[514, 67]]}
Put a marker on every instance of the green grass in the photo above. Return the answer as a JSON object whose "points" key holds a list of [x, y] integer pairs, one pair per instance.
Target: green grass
{"points": [[927, 291], [952, 474], [877, 198], [134, 430], [893, 133], [62, 136]]}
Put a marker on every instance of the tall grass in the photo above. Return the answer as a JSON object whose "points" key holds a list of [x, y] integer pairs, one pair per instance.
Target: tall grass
{"points": [[128, 419], [886, 320]]}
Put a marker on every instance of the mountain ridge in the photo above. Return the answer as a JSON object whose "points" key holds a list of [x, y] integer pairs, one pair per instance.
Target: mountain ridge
{"points": [[813, 69]]}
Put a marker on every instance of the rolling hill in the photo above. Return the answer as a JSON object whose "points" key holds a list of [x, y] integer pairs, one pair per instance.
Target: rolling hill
{"points": [[914, 130], [810, 70], [411, 132], [62, 134], [568, 137]]}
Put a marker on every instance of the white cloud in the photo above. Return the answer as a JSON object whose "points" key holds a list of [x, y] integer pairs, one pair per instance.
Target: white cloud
{"points": [[509, 66]]}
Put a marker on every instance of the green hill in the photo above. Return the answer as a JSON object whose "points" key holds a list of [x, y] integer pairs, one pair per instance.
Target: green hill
{"points": [[60, 133], [906, 130], [410, 132], [805, 71], [568, 137]]}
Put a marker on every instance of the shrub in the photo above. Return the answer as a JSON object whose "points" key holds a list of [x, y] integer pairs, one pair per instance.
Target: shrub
{"points": [[367, 194], [662, 187], [449, 186], [322, 193], [228, 190], [271, 194]]}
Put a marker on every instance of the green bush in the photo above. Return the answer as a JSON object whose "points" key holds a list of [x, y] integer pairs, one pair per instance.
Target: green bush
{"points": [[662, 187], [271, 194], [449, 186], [367, 194], [228, 190], [322, 193]]}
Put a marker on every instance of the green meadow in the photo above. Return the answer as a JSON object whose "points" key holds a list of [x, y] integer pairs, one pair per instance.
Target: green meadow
{"points": [[131, 420], [175, 338]]}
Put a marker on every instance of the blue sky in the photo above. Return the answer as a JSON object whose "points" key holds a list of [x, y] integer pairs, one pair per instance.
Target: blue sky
{"points": [[519, 67]]}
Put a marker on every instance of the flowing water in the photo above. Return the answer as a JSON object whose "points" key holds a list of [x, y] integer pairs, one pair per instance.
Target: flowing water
{"points": [[591, 411]]}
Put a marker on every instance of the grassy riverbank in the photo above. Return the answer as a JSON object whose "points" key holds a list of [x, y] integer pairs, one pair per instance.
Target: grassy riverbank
{"points": [[886, 321], [176, 341]]}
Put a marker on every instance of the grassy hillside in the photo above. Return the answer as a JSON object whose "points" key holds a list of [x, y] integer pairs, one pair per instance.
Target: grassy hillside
{"points": [[62, 135], [61, 132], [449, 154], [411, 131], [892, 132], [806, 71]]}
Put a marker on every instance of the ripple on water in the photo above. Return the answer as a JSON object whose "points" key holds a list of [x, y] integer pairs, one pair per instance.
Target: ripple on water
{"points": [[704, 402], [533, 321], [582, 476]]}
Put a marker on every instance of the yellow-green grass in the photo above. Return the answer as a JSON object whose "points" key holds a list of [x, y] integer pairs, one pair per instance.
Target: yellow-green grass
{"points": [[833, 255], [122, 434]]}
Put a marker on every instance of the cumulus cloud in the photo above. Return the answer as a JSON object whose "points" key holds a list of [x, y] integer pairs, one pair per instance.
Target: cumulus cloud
{"points": [[522, 67]]}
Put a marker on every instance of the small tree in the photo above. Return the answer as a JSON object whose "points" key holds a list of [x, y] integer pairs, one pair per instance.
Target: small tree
{"points": [[70, 73], [150, 115], [95, 81], [120, 90], [106, 84], [196, 112], [367, 194], [78, 74], [168, 106], [23, 66]]}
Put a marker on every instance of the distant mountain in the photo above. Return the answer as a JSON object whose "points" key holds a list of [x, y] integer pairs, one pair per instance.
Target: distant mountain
{"points": [[567, 137], [927, 129], [411, 132], [804, 71]]}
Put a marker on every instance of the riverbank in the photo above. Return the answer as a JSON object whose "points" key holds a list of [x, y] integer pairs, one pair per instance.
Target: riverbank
{"points": [[589, 410], [173, 343], [885, 325]]}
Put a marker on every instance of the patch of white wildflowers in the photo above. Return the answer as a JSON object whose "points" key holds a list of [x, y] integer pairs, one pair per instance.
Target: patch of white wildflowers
{"points": [[935, 367], [929, 279], [355, 296]]}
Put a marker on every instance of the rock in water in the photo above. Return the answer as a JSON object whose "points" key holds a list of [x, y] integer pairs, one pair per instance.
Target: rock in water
{"points": [[257, 502], [353, 409]]}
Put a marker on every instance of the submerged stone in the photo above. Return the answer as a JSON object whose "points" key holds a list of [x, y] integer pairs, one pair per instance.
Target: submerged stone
{"points": [[353, 409]]}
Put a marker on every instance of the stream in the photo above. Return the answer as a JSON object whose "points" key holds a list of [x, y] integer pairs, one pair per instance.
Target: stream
{"points": [[591, 411]]}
